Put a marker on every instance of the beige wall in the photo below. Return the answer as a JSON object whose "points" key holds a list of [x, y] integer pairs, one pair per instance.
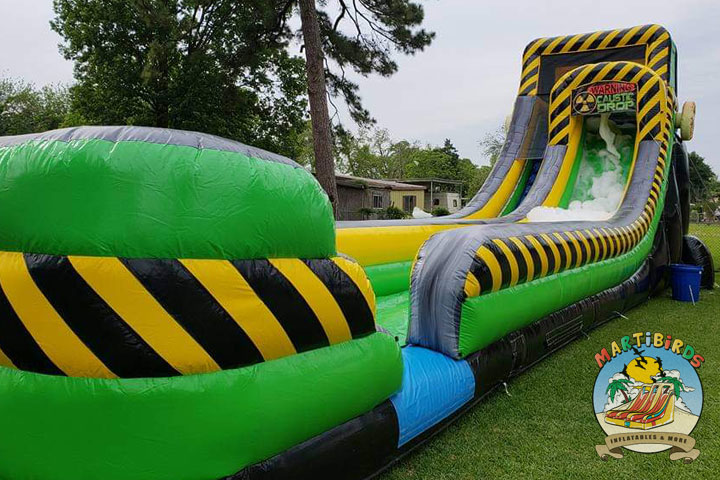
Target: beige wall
{"points": [[396, 197]]}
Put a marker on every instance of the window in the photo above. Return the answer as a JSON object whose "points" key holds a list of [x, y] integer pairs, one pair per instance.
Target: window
{"points": [[454, 202], [409, 202], [377, 200], [436, 202]]}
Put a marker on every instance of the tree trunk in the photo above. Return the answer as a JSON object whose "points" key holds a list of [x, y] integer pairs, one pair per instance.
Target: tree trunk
{"points": [[322, 134]]}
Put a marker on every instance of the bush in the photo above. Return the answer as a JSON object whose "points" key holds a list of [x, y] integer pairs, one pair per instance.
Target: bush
{"points": [[440, 212], [393, 213]]}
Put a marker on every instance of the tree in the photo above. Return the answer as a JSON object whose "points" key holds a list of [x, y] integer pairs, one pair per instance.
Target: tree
{"points": [[618, 385], [26, 109], [703, 181], [219, 66], [319, 115], [376, 28], [492, 144]]}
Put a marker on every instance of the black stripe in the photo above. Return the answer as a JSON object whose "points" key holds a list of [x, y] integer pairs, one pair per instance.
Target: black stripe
{"points": [[576, 46], [616, 39], [347, 295], [559, 127], [561, 251], [19, 346], [114, 342], [596, 43], [195, 309], [520, 260], [285, 302], [590, 246], [529, 75], [573, 251], [537, 264], [503, 261], [481, 271]]}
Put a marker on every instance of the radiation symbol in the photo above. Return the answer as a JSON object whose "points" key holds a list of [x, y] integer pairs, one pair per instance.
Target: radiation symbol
{"points": [[585, 102]]}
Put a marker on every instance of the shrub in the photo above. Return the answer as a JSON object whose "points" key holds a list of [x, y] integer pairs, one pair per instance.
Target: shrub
{"points": [[440, 212]]}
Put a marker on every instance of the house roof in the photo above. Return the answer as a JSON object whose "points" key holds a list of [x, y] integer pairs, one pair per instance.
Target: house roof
{"points": [[361, 182], [434, 180]]}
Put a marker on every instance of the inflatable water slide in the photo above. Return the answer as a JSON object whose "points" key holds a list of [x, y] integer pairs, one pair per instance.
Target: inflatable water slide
{"points": [[653, 406], [177, 306]]}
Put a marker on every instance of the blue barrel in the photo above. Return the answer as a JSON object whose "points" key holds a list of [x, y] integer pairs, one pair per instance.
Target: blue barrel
{"points": [[685, 282]]}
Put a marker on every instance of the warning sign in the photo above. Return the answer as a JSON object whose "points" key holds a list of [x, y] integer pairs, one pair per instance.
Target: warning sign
{"points": [[604, 97]]}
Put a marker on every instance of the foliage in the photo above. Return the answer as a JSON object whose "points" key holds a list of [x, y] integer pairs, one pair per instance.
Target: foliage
{"points": [[678, 385], [703, 181], [361, 35], [219, 66], [618, 385], [440, 212], [366, 212], [492, 144], [393, 213], [26, 109], [374, 154]]}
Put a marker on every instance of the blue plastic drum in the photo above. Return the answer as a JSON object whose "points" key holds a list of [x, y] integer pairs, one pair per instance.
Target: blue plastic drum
{"points": [[685, 282]]}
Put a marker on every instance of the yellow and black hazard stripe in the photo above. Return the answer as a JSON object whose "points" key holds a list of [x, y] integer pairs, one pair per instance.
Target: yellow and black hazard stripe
{"points": [[651, 93], [109, 317], [655, 38], [504, 262]]}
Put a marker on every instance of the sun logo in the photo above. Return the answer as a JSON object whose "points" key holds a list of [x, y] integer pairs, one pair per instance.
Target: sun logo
{"points": [[585, 102]]}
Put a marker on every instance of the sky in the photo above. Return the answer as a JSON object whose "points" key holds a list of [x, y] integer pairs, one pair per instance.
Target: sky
{"points": [[463, 85]]}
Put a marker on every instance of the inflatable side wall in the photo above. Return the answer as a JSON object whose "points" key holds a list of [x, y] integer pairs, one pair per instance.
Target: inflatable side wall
{"points": [[171, 307]]}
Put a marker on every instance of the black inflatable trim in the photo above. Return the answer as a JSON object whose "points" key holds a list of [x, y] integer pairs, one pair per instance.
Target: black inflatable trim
{"points": [[695, 252]]}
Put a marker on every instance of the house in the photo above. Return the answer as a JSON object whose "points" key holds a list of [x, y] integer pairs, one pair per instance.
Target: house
{"points": [[440, 193], [362, 198]]}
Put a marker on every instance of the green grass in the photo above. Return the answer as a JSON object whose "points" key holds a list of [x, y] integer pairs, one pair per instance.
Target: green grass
{"points": [[547, 429]]}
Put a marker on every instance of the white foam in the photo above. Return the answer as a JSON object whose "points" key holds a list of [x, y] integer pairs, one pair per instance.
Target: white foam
{"points": [[606, 190], [420, 213]]}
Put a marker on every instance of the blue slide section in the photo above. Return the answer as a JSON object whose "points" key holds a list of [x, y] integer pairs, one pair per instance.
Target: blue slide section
{"points": [[433, 387]]}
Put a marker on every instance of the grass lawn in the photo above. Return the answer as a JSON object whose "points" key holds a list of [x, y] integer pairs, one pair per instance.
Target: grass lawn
{"points": [[547, 429]]}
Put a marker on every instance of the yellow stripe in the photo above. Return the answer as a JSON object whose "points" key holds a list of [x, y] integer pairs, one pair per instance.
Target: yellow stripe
{"points": [[472, 286], [529, 67], [603, 72], [628, 36], [49, 330], [560, 135], [548, 50], [660, 55], [236, 296], [657, 42], [578, 250], [649, 126], [533, 47], [541, 253], [317, 296], [357, 275], [653, 80], [571, 42], [602, 243], [5, 361], [571, 154], [494, 206], [493, 265], [563, 243], [595, 243], [590, 40], [528, 258], [587, 245], [624, 71], [109, 278], [599, 245], [608, 38], [514, 273], [650, 31], [648, 105], [555, 251], [662, 70], [529, 82]]}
